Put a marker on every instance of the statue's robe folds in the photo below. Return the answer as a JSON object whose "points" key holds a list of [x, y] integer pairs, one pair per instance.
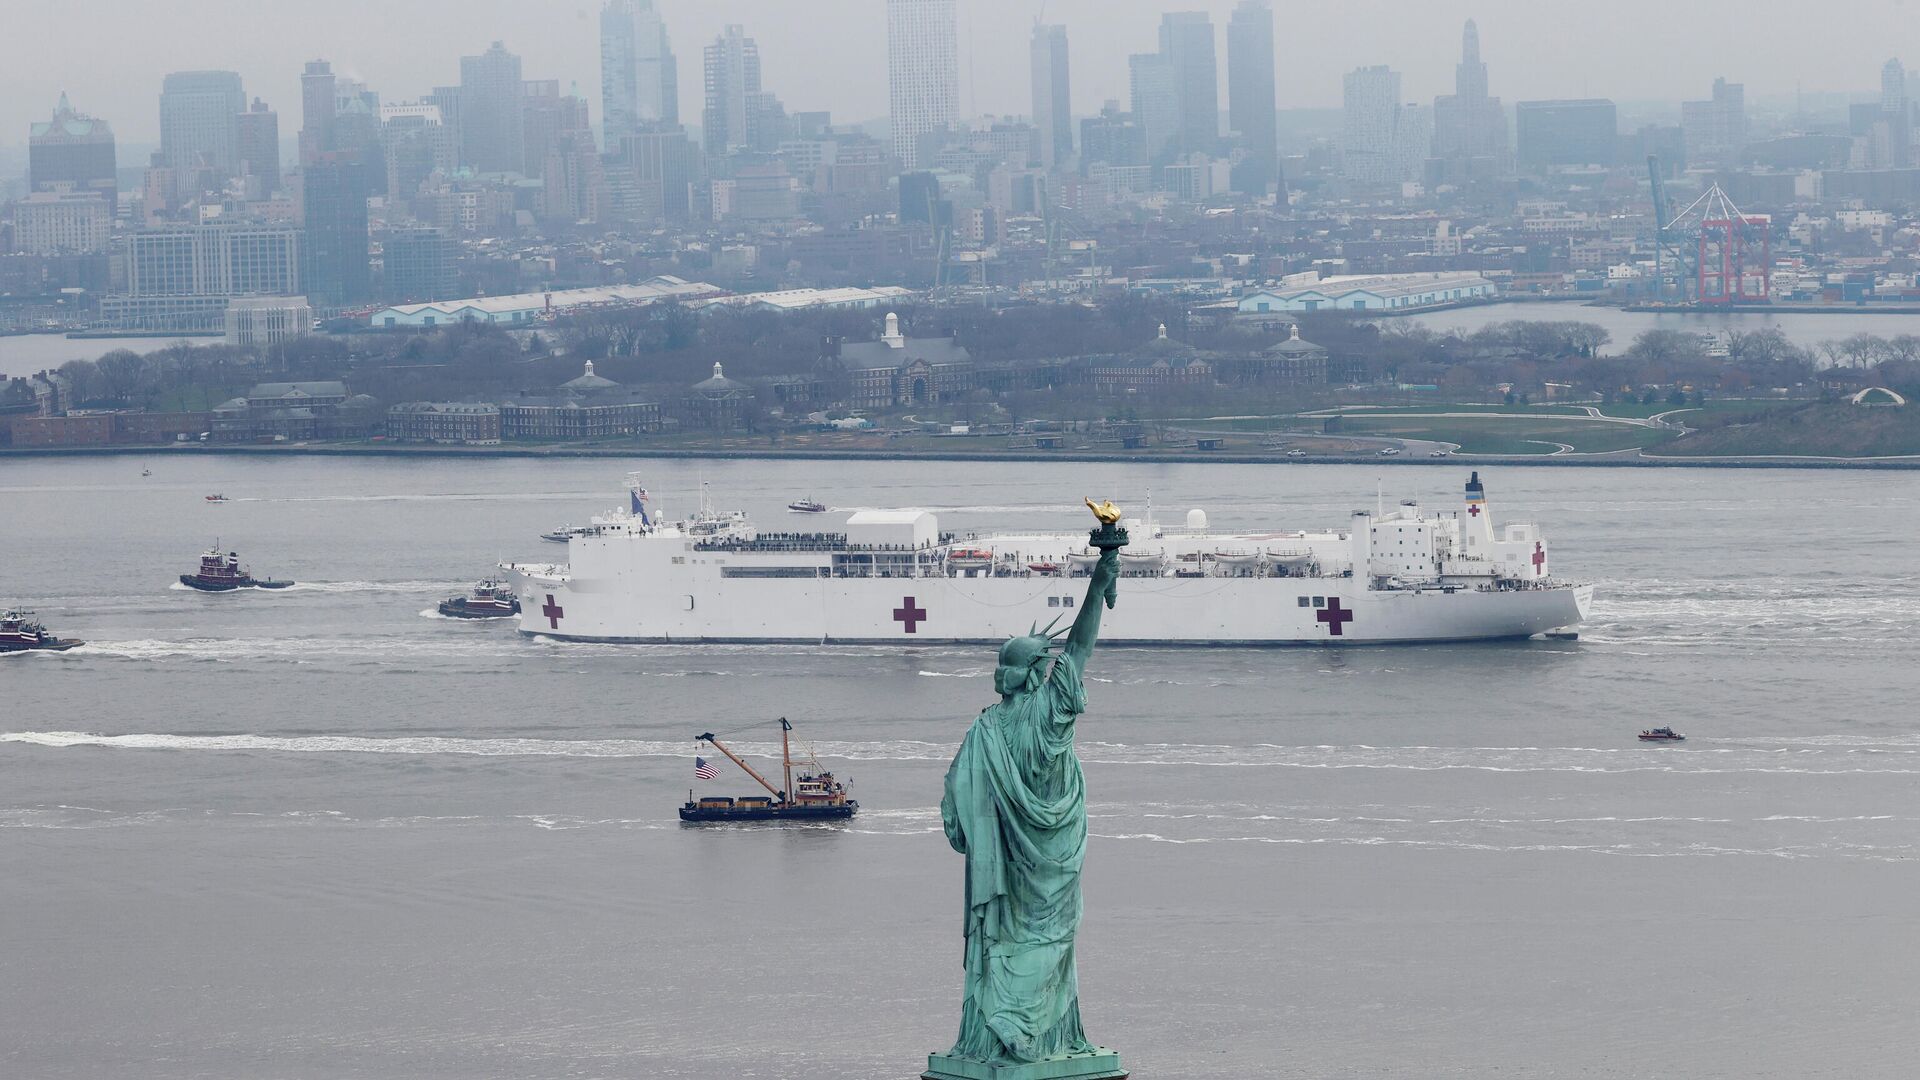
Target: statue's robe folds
{"points": [[1015, 806]]}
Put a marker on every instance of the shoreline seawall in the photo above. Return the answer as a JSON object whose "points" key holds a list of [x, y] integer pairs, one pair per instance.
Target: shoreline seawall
{"points": [[1615, 460]]}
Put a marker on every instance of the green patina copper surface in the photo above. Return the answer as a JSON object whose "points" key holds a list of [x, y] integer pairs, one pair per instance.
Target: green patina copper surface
{"points": [[1015, 806]]}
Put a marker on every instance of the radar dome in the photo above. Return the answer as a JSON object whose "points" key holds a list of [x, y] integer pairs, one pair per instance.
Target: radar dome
{"points": [[1196, 519]]}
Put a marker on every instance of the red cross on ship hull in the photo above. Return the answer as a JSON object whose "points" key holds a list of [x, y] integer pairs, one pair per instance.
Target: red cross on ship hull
{"points": [[910, 616], [1335, 616]]}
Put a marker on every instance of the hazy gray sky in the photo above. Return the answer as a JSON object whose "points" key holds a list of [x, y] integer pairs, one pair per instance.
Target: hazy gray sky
{"points": [[831, 54]]}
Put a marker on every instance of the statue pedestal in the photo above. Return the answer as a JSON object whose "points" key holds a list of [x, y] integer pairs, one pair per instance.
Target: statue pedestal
{"points": [[1102, 1064]]}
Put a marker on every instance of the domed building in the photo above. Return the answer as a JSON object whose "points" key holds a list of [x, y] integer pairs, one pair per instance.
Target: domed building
{"points": [[719, 403], [1161, 362], [587, 406], [1293, 361]]}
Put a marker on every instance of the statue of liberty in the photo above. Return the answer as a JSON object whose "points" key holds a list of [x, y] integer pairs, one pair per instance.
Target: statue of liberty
{"points": [[1015, 806]]}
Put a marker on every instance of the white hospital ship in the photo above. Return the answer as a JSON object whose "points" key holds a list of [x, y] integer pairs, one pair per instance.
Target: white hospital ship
{"points": [[893, 577]]}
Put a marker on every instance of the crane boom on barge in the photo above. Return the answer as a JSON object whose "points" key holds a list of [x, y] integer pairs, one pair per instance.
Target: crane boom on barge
{"points": [[815, 796]]}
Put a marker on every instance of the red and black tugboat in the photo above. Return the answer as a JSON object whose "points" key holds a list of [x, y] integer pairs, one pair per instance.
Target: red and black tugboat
{"points": [[815, 794], [491, 599], [20, 632], [220, 571]]}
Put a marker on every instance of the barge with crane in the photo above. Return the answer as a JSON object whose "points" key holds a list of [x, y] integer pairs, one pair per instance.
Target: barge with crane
{"points": [[814, 795]]}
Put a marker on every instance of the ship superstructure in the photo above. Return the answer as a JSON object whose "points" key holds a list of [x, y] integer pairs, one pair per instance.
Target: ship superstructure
{"points": [[894, 577]]}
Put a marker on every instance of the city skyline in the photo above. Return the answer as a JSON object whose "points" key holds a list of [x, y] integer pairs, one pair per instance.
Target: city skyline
{"points": [[121, 84]]}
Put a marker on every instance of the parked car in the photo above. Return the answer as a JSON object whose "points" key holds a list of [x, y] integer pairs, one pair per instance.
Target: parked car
{"points": [[1296, 453], [1439, 453], [1389, 452]]}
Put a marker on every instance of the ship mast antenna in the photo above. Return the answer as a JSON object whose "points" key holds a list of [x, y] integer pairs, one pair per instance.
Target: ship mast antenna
{"points": [[786, 754]]}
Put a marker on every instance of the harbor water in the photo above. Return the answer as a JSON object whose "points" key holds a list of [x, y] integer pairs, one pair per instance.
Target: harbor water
{"points": [[324, 833]]}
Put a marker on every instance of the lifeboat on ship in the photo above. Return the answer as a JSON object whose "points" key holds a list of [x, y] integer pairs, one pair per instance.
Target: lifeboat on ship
{"points": [[970, 558], [1083, 560], [1236, 557], [1148, 559], [1291, 558], [1044, 567]]}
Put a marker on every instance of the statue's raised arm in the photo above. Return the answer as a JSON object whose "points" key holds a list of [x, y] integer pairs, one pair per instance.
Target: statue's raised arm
{"points": [[1101, 585]]}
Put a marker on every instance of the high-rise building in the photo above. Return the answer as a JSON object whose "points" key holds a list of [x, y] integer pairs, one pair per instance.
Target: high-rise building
{"points": [[1897, 114], [62, 221], [416, 265], [73, 149], [639, 79], [548, 116], [661, 166], [1155, 96], [1186, 40], [733, 89], [1578, 132], [923, 72], [214, 260], [492, 132], [1716, 128], [414, 144], [1369, 124], [199, 114], [1251, 109], [334, 211], [1112, 138], [1467, 124], [1052, 98], [317, 109], [259, 135]]}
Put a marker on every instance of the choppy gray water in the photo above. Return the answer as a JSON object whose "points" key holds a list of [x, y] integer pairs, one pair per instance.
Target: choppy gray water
{"points": [[319, 834]]}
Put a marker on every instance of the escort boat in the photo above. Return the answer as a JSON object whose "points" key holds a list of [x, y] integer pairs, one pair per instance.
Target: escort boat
{"points": [[220, 571], [21, 632], [491, 599]]}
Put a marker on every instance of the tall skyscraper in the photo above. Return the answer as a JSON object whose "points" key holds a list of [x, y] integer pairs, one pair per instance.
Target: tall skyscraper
{"points": [[334, 215], [1370, 112], [639, 79], [1186, 40], [1467, 124], [199, 112], [733, 90], [1582, 132], [1716, 129], [1251, 110], [923, 72], [259, 135], [492, 133], [1052, 98], [317, 109], [1155, 97], [72, 148], [1897, 114]]}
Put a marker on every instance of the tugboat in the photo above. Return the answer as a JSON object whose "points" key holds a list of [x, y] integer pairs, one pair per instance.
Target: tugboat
{"points": [[808, 505], [1662, 734], [491, 599], [221, 572], [817, 796], [20, 632]]}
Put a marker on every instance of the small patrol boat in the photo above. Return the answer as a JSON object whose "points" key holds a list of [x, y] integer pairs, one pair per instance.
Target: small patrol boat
{"points": [[217, 498], [491, 599], [1662, 734], [20, 632], [814, 795], [220, 571], [808, 505]]}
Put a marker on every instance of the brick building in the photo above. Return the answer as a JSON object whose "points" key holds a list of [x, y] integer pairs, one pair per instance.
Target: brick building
{"points": [[466, 423]]}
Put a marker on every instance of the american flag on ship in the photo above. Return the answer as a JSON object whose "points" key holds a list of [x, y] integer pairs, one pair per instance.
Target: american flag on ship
{"points": [[639, 495], [702, 770]]}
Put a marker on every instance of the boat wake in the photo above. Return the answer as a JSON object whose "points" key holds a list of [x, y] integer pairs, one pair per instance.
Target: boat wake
{"points": [[1896, 759]]}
